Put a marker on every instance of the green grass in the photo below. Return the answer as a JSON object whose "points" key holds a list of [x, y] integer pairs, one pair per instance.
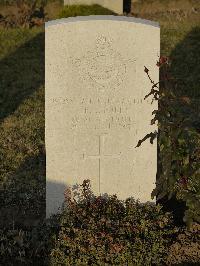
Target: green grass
{"points": [[22, 149], [22, 122], [84, 10], [162, 5]]}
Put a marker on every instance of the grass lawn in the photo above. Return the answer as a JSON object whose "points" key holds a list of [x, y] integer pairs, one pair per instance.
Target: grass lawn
{"points": [[22, 154]]}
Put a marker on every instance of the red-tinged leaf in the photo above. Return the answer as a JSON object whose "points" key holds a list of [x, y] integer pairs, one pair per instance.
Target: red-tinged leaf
{"points": [[185, 99], [184, 182]]}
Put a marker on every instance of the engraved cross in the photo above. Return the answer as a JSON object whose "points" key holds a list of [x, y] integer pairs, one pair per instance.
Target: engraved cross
{"points": [[100, 156]]}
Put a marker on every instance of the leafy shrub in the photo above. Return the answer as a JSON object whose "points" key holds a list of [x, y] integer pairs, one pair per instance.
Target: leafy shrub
{"points": [[178, 142], [84, 10], [186, 249], [101, 230]]}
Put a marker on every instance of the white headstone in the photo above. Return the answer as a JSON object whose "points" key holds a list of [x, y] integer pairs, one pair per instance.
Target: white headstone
{"points": [[95, 109], [114, 5]]}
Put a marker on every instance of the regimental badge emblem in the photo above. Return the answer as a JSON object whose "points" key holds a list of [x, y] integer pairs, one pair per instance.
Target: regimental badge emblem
{"points": [[103, 67]]}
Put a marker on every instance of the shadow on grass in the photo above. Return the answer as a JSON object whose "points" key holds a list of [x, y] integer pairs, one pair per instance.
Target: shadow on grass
{"points": [[186, 64], [21, 73], [185, 67], [22, 200]]}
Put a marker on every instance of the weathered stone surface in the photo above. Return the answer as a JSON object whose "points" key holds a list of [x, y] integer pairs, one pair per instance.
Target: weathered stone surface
{"points": [[95, 109], [114, 5]]}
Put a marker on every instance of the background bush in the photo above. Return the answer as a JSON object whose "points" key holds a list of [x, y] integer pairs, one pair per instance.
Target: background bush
{"points": [[13, 2]]}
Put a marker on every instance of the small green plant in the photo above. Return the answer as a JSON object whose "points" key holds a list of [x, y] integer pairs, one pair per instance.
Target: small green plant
{"points": [[84, 10]]}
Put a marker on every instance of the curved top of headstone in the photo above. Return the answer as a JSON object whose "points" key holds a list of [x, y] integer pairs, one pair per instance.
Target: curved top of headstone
{"points": [[102, 17]]}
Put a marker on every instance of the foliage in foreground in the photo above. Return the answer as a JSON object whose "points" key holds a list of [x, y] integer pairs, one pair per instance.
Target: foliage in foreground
{"points": [[102, 230], [178, 142]]}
